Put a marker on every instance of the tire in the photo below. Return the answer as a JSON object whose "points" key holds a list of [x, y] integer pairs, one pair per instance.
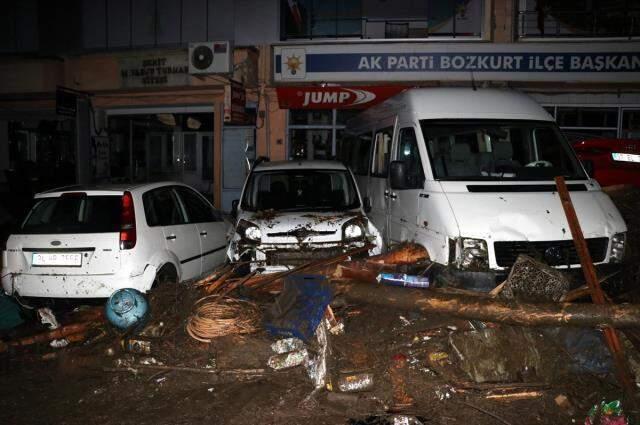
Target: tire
{"points": [[167, 275]]}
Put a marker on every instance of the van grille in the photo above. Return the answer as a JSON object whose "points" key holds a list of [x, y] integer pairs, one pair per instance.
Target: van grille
{"points": [[565, 251]]}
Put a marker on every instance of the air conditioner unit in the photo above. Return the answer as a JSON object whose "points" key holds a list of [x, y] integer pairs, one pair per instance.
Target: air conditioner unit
{"points": [[210, 57]]}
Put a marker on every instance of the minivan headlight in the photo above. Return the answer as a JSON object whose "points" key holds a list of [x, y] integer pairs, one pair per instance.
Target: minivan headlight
{"points": [[249, 231], [474, 254], [352, 231], [616, 252]]}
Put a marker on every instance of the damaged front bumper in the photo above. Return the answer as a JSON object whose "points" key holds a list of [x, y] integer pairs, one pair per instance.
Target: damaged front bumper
{"points": [[270, 258]]}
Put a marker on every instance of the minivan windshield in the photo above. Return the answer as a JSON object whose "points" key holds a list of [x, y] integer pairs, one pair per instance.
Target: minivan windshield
{"points": [[498, 150], [74, 214], [300, 190]]}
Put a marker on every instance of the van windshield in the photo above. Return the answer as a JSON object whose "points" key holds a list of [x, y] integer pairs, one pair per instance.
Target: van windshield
{"points": [[498, 150], [74, 214], [300, 190]]}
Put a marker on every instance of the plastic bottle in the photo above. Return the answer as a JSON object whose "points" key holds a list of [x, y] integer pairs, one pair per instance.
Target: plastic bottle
{"points": [[403, 279]]}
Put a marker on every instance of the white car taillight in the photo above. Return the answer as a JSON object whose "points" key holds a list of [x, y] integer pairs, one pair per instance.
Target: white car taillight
{"points": [[127, 222]]}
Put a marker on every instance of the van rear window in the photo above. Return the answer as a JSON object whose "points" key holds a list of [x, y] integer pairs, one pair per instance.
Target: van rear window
{"points": [[77, 214]]}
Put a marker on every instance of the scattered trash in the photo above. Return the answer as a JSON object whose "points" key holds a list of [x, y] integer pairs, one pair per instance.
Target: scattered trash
{"points": [[404, 320], [606, 414], [352, 383], [135, 345], [532, 280], [522, 395], [438, 358], [397, 372], [127, 309], [316, 363], [287, 344], [48, 319], [300, 307], [398, 279], [488, 355], [563, 402], [585, 347], [388, 420], [217, 316], [288, 360], [155, 330], [445, 392]]}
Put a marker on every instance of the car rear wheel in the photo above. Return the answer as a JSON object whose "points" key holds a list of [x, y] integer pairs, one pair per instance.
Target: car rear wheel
{"points": [[166, 275]]}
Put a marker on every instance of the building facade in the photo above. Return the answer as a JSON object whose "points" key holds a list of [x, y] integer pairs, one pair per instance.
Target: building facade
{"points": [[108, 90]]}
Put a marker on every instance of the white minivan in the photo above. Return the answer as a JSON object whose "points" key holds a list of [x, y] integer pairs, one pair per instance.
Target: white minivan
{"points": [[469, 174]]}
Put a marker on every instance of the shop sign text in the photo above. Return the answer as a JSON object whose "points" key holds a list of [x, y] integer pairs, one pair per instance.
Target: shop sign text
{"points": [[153, 71]]}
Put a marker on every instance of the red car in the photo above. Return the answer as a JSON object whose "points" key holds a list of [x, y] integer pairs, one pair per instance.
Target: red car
{"points": [[609, 161]]}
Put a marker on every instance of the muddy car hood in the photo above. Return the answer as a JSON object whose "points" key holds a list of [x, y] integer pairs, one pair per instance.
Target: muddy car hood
{"points": [[532, 216], [293, 227]]}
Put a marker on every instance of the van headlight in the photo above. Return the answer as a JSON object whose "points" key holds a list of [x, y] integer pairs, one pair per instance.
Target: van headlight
{"points": [[616, 253], [249, 231], [474, 254], [352, 231]]}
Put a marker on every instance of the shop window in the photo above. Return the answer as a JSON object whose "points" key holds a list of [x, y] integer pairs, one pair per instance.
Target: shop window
{"points": [[630, 124], [408, 153], [373, 19], [382, 149], [587, 121], [314, 134], [578, 18]]}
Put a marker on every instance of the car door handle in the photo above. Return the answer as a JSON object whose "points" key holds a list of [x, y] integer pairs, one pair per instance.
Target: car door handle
{"points": [[203, 233], [171, 237], [393, 196], [386, 193]]}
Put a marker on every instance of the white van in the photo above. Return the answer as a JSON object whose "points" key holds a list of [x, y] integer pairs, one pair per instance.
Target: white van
{"points": [[469, 174]]}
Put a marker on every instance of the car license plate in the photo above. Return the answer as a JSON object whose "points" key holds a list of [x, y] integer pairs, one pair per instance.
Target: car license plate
{"points": [[625, 157], [56, 259]]}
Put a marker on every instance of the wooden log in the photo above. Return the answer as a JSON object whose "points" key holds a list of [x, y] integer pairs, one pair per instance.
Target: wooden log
{"points": [[403, 254], [493, 310], [60, 333]]}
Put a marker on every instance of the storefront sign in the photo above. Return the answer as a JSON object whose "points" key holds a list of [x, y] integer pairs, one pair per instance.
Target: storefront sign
{"points": [[571, 62], [334, 97], [235, 102], [155, 70]]}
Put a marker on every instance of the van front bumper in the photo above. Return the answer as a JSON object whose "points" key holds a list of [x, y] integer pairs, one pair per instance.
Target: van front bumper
{"points": [[74, 286], [485, 281]]}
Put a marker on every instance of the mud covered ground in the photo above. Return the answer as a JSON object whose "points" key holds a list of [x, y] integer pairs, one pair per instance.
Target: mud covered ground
{"points": [[90, 383]]}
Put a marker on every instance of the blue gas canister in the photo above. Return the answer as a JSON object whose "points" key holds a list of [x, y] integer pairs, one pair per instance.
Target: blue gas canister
{"points": [[127, 308]]}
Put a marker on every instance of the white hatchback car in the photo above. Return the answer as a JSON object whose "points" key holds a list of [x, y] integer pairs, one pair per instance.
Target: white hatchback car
{"points": [[88, 241]]}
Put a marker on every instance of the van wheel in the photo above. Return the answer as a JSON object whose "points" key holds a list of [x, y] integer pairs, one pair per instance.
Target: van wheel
{"points": [[166, 275]]}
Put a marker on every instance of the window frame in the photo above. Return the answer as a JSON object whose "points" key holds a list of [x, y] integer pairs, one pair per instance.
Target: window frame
{"points": [[417, 144], [176, 200], [374, 152], [215, 215]]}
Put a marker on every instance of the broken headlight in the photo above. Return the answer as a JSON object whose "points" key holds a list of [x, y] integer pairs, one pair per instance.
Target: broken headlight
{"points": [[351, 231], [249, 231], [616, 253], [474, 254]]}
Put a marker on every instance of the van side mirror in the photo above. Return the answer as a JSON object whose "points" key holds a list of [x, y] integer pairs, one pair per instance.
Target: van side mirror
{"points": [[588, 167], [366, 204], [234, 208], [398, 170]]}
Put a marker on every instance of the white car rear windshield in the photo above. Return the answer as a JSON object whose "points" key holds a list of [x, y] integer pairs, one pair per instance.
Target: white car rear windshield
{"points": [[74, 214], [300, 190]]}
